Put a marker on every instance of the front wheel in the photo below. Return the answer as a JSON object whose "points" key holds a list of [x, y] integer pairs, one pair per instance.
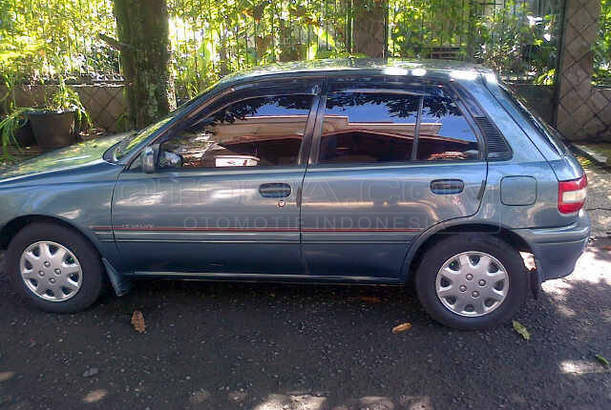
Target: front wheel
{"points": [[471, 281], [54, 268]]}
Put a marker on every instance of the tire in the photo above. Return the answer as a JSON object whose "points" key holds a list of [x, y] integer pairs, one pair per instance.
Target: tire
{"points": [[82, 264], [484, 254]]}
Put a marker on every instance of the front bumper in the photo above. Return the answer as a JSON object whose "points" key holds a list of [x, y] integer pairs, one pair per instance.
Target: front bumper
{"points": [[556, 250]]}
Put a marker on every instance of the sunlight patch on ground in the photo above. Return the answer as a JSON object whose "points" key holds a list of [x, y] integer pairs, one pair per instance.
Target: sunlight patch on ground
{"points": [[4, 376], [579, 367], [310, 402], [592, 268], [290, 402], [95, 396]]}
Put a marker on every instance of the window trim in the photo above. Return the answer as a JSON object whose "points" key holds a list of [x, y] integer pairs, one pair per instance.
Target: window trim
{"points": [[317, 136]]}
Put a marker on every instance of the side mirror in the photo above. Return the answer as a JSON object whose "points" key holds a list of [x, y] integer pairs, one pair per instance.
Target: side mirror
{"points": [[149, 158]]}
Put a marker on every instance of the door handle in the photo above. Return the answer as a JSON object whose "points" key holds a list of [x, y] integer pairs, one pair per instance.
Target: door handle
{"points": [[275, 190], [447, 186]]}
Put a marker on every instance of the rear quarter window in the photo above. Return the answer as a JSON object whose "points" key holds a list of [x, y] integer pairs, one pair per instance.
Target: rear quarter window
{"points": [[550, 135]]}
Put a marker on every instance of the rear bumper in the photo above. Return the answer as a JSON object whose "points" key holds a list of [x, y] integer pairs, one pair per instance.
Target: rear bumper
{"points": [[556, 250]]}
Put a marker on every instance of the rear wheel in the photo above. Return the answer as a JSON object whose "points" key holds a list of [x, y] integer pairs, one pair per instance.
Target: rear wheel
{"points": [[54, 268], [471, 281]]}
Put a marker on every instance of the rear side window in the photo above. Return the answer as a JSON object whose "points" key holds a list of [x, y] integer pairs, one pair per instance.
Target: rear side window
{"points": [[362, 127], [368, 126], [445, 134]]}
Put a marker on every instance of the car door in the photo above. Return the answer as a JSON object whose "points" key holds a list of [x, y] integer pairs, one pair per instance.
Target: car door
{"points": [[390, 158], [224, 197]]}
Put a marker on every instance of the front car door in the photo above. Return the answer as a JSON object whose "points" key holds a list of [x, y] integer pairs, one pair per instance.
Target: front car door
{"points": [[224, 197], [390, 158]]}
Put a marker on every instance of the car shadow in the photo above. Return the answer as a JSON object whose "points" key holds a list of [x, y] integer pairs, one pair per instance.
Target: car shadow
{"points": [[252, 345]]}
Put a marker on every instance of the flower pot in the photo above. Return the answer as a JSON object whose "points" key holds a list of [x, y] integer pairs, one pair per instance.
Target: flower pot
{"points": [[53, 129], [25, 135]]}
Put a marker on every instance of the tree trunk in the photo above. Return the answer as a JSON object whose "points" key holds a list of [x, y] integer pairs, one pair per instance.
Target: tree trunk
{"points": [[142, 27], [370, 27]]}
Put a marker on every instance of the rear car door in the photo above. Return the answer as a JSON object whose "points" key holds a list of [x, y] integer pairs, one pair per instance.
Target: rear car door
{"points": [[223, 199], [391, 157]]}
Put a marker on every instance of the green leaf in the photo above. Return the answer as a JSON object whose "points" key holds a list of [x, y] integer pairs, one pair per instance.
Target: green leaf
{"points": [[519, 327], [602, 360]]}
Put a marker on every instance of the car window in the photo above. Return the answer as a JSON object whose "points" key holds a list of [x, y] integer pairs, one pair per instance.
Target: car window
{"points": [[552, 137], [444, 133], [376, 126], [365, 127], [135, 139], [257, 131]]}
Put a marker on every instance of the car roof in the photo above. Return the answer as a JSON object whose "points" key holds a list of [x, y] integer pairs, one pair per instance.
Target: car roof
{"points": [[364, 66]]}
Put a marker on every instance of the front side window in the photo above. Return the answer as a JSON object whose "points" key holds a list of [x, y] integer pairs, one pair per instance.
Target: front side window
{"points": [[367, 126], [253, 132]]}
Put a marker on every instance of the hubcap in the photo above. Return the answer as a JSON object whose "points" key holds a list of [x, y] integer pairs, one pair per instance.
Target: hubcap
{"points": [[472, 284], [51, 271]]}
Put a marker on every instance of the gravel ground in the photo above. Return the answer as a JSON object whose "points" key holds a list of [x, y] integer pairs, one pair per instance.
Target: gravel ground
{"points": [[599, 200], [273, 347], [260, 346]]}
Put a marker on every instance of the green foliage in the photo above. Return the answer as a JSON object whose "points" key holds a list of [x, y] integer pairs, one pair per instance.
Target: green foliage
{"points": [[521, 330], [66, 99], [213, 37], [43, 39], [49, 39], [516, 42], [602, 48], [417, 26], [9, 126], [602, 360]]}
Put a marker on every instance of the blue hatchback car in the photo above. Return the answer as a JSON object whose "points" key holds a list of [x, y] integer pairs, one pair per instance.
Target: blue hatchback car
{"points": [[350, 171]]}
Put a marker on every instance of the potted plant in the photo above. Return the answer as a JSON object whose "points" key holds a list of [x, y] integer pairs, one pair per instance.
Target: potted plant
{"points": [[14, 127], [11, 129], [57, 123]]}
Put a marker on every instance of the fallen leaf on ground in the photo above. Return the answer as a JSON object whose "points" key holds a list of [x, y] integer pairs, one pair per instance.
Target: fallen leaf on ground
{"points": [[370, 299], [602, 359], [402, 327], [519, 327], [138, 322]]}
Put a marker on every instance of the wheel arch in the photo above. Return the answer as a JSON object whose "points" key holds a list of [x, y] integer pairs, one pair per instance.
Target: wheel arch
{"points": [[10, 229], [118, 281], [431, 237]]}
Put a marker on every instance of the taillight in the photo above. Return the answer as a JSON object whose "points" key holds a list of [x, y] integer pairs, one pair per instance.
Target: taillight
{"points": [[572, 195]]}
